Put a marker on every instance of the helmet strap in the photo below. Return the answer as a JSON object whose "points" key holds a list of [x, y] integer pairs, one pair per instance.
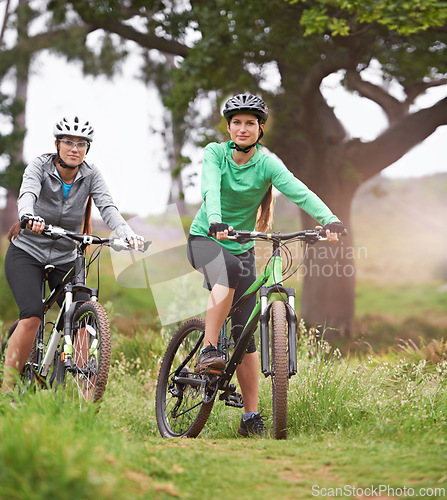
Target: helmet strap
{"points": [[247, 149], [242, 150]]}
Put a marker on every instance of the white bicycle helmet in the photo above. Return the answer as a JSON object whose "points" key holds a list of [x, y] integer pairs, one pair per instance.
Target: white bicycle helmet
{"points": [[74, 126]]}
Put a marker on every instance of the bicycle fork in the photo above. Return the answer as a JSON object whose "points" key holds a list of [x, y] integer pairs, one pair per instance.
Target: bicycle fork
{"points": [[265, 292]]}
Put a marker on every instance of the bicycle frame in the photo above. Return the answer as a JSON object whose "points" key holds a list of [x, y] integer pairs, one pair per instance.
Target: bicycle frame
{"points": [[72, 282], [186, 391], [81, 322], [270, 287]]}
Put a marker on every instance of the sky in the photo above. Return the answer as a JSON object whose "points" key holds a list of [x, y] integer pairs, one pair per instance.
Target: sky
{"points": [[127, 117]]}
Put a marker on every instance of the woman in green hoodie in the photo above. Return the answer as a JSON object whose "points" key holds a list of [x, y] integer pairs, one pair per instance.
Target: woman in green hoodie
{"points": [[237, 180]]}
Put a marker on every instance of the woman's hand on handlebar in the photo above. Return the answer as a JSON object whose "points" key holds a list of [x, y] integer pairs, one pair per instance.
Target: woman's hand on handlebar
{"points": [[136, 242], [333, 231], [34, 223], [219, 230]]}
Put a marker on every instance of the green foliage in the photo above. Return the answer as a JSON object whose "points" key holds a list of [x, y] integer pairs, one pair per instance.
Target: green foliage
{"points": [[11, 143], [341, 17]]}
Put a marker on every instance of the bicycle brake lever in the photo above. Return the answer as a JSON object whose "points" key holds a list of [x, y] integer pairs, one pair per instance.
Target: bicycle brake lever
{"points": [[145, 246], [240, 236], [118, 244], [54, 232]]}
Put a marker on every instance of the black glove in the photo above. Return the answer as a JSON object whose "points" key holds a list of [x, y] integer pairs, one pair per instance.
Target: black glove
{"points": [[335, 227], [216, 227]]}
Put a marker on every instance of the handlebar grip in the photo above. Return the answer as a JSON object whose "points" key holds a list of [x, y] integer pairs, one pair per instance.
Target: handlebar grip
{"points": [[230, 233], [24, 222], [24, 225], [322, 232]]}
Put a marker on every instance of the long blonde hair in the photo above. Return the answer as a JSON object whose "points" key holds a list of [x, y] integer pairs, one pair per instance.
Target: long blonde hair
{"points": [[264, 219]]}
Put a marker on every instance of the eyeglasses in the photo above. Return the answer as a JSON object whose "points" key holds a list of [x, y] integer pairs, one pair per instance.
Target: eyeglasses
{"points": [[71, 144]]}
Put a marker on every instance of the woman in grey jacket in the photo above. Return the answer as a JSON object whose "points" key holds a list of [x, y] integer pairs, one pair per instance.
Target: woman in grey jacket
{"points": [[56, 189]]}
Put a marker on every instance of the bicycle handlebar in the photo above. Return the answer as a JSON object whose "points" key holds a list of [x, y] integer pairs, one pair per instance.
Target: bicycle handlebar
{"points": [[57, 232], [308, 235]]}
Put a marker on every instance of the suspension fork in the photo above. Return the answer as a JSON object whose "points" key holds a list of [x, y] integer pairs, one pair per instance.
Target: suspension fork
{"points": [[56, 334], [272, 286], [67, 354], [78, 283]]}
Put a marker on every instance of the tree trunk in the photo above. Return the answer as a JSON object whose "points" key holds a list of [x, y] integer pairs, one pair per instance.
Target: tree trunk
{"points": [[8, 216], [176, 193], [329, 279]]}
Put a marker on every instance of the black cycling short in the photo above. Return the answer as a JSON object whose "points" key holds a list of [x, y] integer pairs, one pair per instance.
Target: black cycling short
{"points": [[25, 274], [219, 266]]}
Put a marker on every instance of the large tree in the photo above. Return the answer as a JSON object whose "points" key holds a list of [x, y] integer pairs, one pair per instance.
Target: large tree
{"points": [[18, 50], [306, 41], [11, 144], [227, 46]]}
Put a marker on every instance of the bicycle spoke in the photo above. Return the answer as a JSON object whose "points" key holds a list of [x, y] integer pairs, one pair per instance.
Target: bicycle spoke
{"points": [[180, 406]]}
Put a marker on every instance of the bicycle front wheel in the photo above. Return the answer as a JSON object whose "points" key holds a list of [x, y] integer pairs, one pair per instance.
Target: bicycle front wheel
{"points": [[86, 380], [182, 406], [280, 369]]}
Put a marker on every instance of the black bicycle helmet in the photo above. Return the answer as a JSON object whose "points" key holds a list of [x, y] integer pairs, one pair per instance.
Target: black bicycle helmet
{"points": [[248, 103]]}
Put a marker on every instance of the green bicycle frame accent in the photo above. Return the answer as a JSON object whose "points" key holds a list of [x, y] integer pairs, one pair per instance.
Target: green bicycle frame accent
{"points": [[269, 283], [266, 278]]}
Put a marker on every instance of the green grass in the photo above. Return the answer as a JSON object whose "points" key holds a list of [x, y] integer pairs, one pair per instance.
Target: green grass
{"points": [[353, 423], [401, 300]]}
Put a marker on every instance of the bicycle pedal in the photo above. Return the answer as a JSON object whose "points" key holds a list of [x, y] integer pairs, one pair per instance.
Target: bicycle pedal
{"points": [[235, 400], [208, 370], [211, 371]]}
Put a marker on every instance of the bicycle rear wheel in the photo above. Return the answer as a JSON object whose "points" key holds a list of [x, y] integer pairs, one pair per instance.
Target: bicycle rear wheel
{"points": [[180, 407], [90, 337], [280, 369]]}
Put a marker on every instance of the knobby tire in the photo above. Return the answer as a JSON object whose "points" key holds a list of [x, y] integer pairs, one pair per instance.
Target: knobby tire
{"points": [[180, 409], [88, 382], [280, 369]]}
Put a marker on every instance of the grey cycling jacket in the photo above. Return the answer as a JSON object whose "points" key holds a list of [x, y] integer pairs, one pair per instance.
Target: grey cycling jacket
{"points": [[41, 193]]}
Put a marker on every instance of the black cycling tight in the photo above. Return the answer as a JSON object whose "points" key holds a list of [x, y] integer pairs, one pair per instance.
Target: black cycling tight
{"points": [[25, 274], [220, 266]]}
